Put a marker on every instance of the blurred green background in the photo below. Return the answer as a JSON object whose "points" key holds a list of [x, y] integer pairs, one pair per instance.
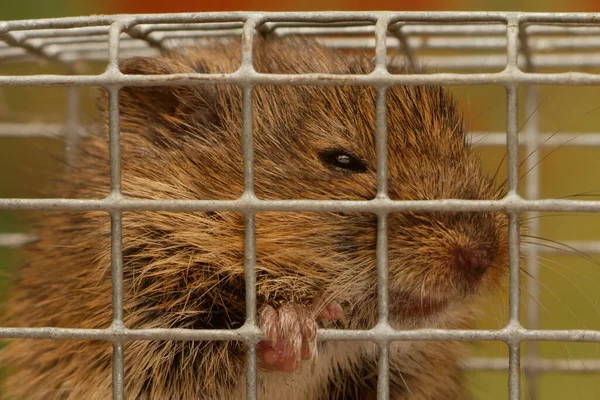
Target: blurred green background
{"points": [[569, 284]]}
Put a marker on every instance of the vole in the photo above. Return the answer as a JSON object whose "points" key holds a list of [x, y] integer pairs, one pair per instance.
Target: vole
{"points": [[185, 270]]}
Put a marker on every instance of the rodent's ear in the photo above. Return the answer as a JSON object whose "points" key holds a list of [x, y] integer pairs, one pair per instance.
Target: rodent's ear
{"points": [[166, 104]]}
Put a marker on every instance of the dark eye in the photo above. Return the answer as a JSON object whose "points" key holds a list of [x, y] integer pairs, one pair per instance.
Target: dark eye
{"points": [[342, 159]]}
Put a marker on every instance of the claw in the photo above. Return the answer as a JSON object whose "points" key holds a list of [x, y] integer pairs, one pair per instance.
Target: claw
{"points": [[292, 333]]}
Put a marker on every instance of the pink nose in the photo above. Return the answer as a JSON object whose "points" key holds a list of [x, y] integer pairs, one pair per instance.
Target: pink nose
{"points": [[473, 261]]}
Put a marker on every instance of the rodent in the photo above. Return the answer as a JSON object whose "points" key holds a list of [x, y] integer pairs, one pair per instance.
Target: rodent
{"points": [[313, 269]]}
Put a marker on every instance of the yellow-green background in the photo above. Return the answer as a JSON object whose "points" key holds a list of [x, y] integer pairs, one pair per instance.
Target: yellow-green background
{"points": [[570, 293]]}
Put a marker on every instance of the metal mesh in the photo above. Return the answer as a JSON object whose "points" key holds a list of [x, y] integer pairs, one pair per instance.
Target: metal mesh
{"points": [[517, 46]]}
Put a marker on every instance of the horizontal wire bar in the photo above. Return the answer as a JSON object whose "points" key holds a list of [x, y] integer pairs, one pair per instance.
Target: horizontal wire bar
{"points": [[546, 45], [536, 364], [416, 43], [483, 62], [15, 239], [574, 139], [458, 62], [251, 204], [470, 43], [414, 29], [36, 129], [379, 334], [318, 17], [481, 139], [246, 77]]}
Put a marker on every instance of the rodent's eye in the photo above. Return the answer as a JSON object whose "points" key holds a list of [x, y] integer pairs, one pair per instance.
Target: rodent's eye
{"points": [[342, 159]]}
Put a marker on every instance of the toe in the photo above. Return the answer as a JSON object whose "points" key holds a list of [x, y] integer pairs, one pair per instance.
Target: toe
{"points": [[276, 356], [332, 311]]}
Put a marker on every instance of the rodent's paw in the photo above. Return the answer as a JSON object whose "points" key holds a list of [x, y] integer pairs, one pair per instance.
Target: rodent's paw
{"points": [[292, 330]]}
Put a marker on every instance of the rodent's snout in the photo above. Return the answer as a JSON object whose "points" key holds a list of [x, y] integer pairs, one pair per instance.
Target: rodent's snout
{"points": [[446, 257], [471, 247], [473, 260]]}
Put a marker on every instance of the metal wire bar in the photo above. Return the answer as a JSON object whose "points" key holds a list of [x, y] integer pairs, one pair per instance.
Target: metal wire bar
{"points": [[495, 62], [383, 377], [31, 130], [537, 365], [575, 139], [232, 17], [458, 62], [514, 242], [378, 334], [221, 26], [250, 241], [478, 37], [477, 43], [54, 33], [141, 41], [480, 139], [497, 29], [410, 30], [532, 191], [116, 234], [61, 42], [331, 16], [72, 127], [16, 40], [82, 44], [244, 205], [15, 239], [240, 78]]}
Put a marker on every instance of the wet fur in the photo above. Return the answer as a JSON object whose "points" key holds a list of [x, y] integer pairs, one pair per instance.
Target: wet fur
{"points": [[186, 269]]}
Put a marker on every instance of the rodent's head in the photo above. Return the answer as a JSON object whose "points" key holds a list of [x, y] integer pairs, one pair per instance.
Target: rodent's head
{"points": [[310, 143]]}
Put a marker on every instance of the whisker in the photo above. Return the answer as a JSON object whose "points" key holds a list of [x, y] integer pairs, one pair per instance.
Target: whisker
{"points": [[555, 215], [519, 131], [564, 246], [550, 315], [573, 270], [591, 193], [547, 155], [539, 303], [573, 283], [553, 293], [542, 146]]}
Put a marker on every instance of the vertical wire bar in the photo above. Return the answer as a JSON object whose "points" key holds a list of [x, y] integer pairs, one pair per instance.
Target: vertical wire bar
{"points": [[250, 280], [514, 366], [118, 371], [383, 378], [113, 117], [512, 144], [116, 222], [250, 240], [382, 193], [72, 125], [532, 191]]}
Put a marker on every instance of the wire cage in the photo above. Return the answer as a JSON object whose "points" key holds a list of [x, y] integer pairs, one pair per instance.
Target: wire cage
{"points": [[512, 50]]}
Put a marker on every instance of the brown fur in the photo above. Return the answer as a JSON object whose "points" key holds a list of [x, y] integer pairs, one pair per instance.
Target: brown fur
{"points": [[186, 269]]}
